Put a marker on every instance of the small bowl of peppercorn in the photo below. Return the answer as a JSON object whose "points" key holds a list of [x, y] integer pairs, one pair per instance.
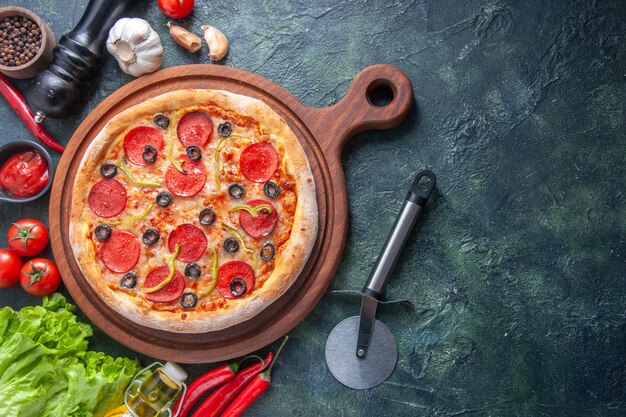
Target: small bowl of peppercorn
{"points": [[26, 43]]}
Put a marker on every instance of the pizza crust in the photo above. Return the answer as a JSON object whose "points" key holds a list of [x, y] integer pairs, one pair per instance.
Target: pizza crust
{"points": [[293, 255]]}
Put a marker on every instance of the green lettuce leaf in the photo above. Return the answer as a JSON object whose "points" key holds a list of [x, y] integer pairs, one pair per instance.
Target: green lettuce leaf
{"points": [[46, 369]]}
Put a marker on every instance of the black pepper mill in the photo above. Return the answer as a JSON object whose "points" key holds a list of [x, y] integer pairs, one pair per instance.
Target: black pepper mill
{"points": [[55, 91]]}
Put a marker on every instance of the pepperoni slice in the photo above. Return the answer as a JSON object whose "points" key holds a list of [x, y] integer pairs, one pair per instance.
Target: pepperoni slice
{"points": [[258, 162], [137, 139], [263, 224], [230, 277], [120, 252], [171, 292], [192, 242], [187, 183], [107, 198], [195, 128]]}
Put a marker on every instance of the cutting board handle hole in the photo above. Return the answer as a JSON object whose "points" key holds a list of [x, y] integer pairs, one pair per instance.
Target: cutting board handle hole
{"points": [[380, 92]]}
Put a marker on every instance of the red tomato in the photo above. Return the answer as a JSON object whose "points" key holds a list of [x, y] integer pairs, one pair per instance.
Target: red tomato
{"points": [[176, 9], [40, 277], [10, 266], [28, 237]]}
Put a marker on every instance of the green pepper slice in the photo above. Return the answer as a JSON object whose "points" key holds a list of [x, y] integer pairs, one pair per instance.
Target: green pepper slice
{"points": [[170, 262], [124, 168], [214, 270], [174, 161], [134, 218], [238, 236], [220, 146], [254, 211]]}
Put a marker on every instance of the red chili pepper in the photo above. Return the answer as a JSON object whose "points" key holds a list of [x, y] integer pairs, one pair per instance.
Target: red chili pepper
{"points": [[203, 383], [17, 103], [216, 402], [252, 391]]}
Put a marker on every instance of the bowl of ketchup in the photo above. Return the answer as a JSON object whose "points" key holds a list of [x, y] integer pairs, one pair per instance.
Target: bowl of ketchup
{"points": [[26, 171]]}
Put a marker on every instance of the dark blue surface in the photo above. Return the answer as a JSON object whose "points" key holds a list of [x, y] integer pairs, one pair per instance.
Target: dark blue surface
{"points": [[517, 275]]}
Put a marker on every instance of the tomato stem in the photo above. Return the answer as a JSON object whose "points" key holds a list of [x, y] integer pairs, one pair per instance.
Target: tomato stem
{"points": [[24, 233], [36, 274]]}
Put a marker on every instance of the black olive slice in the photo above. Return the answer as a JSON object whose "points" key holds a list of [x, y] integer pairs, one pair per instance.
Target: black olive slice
{"points": [[149, 154], [236, 191], [224, 129], [231, 245], [164, 199], [207, 217], [238, 287], [108, 170], [271, 190], [189, 300], [193, 271], [129, 280], [267, 252], [194, 153], [103, 231], [162, 121], [150, 237]]}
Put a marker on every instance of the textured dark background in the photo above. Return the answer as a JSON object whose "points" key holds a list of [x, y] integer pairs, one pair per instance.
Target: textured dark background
{"points": [[517, 275]]}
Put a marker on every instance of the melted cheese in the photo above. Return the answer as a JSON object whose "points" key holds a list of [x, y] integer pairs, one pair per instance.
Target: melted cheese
{"points": [[187, 210]]}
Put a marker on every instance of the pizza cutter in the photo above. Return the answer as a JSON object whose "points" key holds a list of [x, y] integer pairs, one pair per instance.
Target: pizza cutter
{"points": [[361, 352]]}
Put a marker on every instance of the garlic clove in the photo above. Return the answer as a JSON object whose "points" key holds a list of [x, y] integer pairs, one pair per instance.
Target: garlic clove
{"points": [[184, 38], [217, 42]]}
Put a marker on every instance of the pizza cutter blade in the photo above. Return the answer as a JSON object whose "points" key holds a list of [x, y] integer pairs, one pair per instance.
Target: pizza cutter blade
{"points": [[357, 373], [360, 351]]}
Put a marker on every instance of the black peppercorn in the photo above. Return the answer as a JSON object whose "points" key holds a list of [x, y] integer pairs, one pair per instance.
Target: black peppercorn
{"points": [[21, 40]]}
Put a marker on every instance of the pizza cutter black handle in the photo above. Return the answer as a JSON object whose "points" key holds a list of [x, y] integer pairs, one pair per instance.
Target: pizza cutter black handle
{"points": [[55, 91], [416, 199]]}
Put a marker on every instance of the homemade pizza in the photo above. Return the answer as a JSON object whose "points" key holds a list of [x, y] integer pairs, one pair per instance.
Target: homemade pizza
{"points": [[193, 211]]}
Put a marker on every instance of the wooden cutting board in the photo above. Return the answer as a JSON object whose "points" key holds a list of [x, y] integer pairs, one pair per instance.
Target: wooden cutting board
{"points": [[323, 132]]}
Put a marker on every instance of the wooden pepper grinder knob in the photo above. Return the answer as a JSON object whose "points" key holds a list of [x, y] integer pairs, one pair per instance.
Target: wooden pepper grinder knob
{"points": [[55, 91]]}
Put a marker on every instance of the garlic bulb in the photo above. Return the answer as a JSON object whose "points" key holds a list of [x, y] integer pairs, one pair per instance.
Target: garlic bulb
{"points": [[136, 46]]}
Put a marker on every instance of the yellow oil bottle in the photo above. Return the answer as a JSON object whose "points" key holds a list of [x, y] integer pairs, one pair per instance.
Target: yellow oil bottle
{"points": [[152, 392]]}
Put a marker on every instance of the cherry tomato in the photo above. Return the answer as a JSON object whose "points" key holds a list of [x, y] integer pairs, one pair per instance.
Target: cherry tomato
{"points": [[40, 277], [28, 237], [10, 267], [176, 9], [24, 174]]}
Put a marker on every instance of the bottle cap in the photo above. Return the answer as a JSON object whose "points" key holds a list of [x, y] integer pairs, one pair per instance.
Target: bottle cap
{"points": [[175, 372]]}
